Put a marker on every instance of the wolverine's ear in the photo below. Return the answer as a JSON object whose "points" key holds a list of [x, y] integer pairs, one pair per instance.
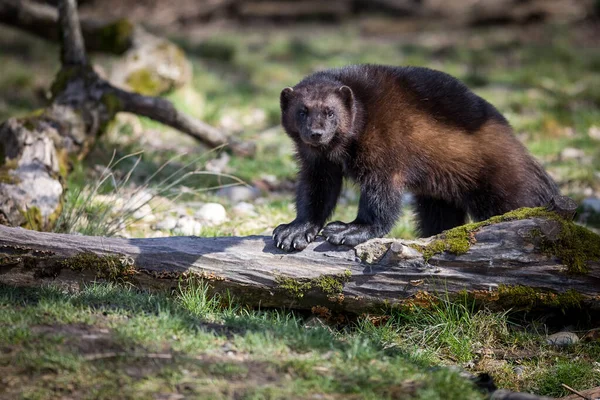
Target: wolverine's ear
{"points": [[285, 96], [347, 95]]}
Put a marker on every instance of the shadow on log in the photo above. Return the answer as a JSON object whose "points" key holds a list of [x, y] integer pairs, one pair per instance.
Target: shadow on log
{"points": [[505, 267]]}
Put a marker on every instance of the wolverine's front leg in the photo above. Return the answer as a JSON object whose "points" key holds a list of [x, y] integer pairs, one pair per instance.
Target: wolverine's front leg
{"points": [[317, 191], [378, 210]]}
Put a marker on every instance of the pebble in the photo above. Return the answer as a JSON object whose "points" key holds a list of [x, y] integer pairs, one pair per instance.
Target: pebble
{"points": [[187, 226], [212, 213], [562, 339], [139, 199], [594, 132], [144, 213], [218, 165], [236, 194], [571, 153], [167, 224], [518, 370], [245, 209]]}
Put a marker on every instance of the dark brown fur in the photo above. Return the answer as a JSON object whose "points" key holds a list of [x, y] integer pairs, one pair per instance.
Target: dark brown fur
{"points": [[392, 129]]}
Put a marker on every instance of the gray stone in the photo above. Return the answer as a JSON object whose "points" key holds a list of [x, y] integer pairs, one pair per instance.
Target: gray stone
{"points": [[167, 224], [571, 153], [144, 213], [562, 339], [245, 209], [212, 213], [187, 226], [236, 194]]}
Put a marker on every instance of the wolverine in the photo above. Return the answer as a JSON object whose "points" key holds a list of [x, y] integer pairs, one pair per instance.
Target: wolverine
{"points": [[396, 129]]}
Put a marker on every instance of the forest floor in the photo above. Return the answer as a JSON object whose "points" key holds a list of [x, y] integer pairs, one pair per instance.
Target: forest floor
{"points": [[112, 341]]}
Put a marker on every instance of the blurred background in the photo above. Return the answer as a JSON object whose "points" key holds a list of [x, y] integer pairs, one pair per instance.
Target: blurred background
{"points": [[538, 61]]}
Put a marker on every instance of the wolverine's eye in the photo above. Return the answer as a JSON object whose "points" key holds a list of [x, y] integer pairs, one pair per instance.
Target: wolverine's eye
{"points": [[303, 112], [330, 114]]}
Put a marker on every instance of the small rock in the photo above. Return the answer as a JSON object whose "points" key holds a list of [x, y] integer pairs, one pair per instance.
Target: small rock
{"points": [[187, 226], [562, 339], [591, 204], [166, 224], [245, 209], [518, 370], [212, 213], [571, 153], [217, 165], [594, 132], [138, 200], [144, 213], [270, 181], [236, 194]]}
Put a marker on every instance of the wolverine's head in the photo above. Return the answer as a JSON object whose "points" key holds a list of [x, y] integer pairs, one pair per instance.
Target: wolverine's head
{"points": [[319, 115]]}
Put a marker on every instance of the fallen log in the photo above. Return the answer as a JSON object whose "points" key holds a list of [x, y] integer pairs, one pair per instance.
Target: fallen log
{"points": [[506, 266]]}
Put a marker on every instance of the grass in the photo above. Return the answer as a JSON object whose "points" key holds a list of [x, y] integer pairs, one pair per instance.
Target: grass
{"points": [[109, 340]]}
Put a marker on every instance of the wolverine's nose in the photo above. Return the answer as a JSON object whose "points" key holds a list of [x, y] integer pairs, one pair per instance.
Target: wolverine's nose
{"points": [[316, 134]]}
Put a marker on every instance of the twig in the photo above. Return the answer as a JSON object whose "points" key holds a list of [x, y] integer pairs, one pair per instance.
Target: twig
{"points": [[570, 389]]}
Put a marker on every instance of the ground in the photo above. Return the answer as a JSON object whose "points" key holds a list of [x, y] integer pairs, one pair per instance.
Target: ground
{"points": [[109, 340]]}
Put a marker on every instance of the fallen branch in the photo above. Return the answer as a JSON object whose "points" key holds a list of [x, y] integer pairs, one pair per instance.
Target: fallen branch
{"points": [[36, 150], [506, 256]]}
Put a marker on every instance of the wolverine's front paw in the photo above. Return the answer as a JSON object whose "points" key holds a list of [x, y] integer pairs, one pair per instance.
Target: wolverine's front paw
{"points": [[295, 235], [348, 234]]}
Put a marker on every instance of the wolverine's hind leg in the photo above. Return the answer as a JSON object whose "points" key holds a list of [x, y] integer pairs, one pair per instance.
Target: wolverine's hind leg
{"points": [[437, 215]]}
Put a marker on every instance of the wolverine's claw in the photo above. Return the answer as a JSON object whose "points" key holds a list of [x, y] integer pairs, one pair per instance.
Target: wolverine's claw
{"points": [[294, 245], [343, 240]]}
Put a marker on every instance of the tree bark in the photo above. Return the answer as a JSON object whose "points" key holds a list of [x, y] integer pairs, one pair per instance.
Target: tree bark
{"points": [[378, 274], [36, 151]]}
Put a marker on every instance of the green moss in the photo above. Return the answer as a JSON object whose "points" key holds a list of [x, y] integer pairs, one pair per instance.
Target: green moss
{"points": [[110, 266], [5, 175], [112, 103], [115, 37], [143, 81], [575, 246], [330, 285], [527, 298], [295, 287], [33, 219]]}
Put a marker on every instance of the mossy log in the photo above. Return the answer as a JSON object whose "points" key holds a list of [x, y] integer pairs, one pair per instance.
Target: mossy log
{"points": [[507, 266], [36, 150]]}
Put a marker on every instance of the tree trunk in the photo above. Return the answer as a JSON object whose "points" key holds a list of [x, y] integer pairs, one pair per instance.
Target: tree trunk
{"points": [[35, 151], [504, 267]]}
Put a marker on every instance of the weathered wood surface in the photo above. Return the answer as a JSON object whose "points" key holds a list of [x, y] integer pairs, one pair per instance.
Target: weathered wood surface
{"points": [[252, 267]]}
